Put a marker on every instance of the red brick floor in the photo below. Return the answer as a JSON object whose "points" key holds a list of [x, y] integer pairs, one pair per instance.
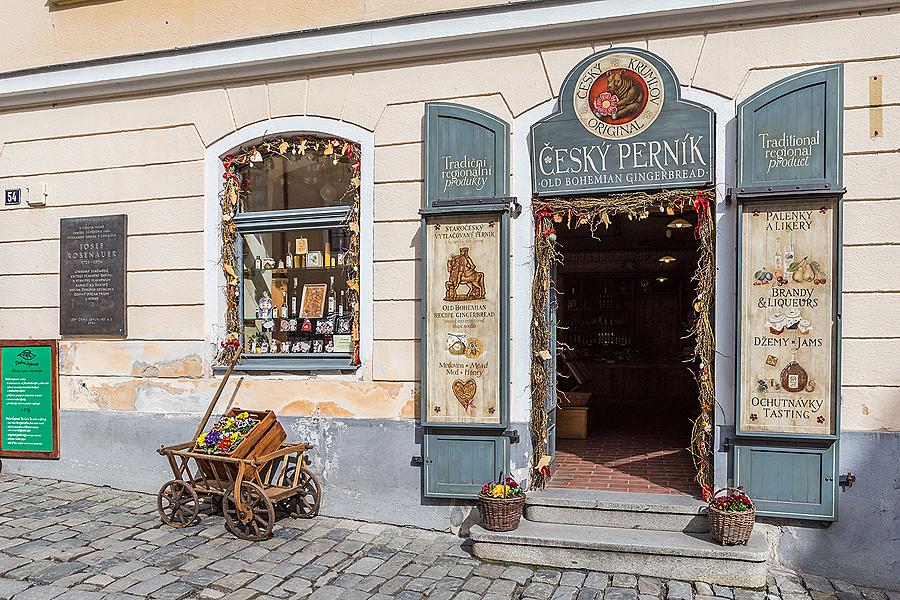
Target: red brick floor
{"points": [[649, 462]]}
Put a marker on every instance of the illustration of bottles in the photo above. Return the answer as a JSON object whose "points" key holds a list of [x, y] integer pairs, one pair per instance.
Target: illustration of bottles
{"points": [[789, 252], [779, 260], [794, 377]]}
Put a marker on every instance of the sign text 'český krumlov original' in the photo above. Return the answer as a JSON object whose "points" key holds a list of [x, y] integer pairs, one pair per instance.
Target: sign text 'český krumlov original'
{"points": [[621, 125]]}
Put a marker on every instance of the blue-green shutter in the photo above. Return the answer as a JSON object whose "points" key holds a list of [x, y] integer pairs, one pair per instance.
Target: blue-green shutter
{"points": [[790, 480], [457, 465]]}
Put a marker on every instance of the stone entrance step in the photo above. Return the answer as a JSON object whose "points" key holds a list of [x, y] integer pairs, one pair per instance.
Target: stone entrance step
{"points": [[616, 509], [664, 554]]}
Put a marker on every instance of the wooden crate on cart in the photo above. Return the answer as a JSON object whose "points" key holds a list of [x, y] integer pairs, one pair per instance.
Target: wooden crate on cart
{"points": [[249, 482]]}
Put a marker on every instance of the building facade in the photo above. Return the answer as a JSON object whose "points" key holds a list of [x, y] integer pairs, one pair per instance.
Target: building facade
{"points": [[127, 109]]}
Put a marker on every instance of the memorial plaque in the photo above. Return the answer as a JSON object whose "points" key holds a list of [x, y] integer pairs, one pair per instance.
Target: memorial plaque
{"points": [[463, 319], [788, 317], [92, 276], [29, 399]]}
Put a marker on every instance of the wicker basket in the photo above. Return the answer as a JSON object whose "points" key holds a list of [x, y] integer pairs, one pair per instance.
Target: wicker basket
{"points": [[501, 514], [729, 528]]}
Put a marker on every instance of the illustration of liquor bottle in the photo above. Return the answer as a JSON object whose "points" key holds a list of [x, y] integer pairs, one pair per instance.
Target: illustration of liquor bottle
{"points": [[779, 260], [789, 253]]}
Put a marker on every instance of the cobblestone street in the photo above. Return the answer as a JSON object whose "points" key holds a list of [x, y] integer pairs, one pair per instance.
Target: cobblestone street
{"points": [[78, 542]]}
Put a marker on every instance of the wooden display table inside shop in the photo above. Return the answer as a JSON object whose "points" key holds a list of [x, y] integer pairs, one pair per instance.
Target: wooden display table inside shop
{"points": [[573, 415]]}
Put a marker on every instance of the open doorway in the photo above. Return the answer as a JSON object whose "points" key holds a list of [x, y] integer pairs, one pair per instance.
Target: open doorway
{"points": [[627, 392]]}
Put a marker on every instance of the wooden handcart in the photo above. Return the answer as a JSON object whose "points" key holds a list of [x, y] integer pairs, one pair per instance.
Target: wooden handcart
{"points": [[247, 489]]}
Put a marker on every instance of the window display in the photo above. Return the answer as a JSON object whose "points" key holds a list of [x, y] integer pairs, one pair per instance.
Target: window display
{"points": [[297, 306], [295, 227]]}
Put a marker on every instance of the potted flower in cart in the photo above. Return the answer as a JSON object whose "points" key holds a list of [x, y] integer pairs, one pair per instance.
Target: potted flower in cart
{"points": [[501, 504], [731, 516]]}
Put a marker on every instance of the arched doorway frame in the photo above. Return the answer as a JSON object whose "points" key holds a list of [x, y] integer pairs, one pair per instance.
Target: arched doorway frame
{"points": [[522, 272]]}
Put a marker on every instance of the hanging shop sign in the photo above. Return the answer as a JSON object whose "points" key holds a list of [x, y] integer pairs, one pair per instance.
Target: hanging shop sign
{"points": [[92, 276], [788, 316], [466, 155], [464, 309], [621, 125], [790, 136], [29, 399]]}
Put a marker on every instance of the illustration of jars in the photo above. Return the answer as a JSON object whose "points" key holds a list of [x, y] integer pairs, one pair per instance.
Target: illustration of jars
{"points": [[776, 323], [792, 318], [805, 326], [794, 377]]}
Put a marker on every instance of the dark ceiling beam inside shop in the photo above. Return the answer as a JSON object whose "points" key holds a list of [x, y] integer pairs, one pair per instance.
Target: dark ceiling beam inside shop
{"points": [[409, 38]]}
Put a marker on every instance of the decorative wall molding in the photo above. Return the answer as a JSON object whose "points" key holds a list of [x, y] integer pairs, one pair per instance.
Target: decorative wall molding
{"points": [[415, 37]]}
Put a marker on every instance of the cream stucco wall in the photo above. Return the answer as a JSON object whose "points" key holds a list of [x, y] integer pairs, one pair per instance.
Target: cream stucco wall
{"points": [[144, 156], [48, 33]]}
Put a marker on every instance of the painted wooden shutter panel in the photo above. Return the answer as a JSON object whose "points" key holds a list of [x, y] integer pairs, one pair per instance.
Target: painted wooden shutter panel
{"points": [[789, 481], [456, 466]]}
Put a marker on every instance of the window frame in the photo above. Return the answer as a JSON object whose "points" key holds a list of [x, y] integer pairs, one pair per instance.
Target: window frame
{"points": [[274, 221]]}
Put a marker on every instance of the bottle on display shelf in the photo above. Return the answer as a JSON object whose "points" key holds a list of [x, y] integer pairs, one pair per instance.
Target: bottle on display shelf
{"points": [[294, 299], [341, 305], [284, 307], [332, 298], [258, 263], [327, 262]]}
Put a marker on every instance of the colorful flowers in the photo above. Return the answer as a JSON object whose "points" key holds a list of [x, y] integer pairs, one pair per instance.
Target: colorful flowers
{"points": [[605, 104], [737, 502], [226, 434], [508, 489]]}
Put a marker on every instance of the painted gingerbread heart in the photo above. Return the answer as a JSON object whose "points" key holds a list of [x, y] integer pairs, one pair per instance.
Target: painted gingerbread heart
{"points": [[465, 392]]}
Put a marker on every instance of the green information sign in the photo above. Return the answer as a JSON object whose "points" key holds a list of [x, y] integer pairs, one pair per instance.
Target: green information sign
{"points": [[29, 408]]}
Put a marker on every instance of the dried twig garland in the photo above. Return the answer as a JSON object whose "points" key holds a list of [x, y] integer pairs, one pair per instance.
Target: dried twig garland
{"points": [[232, 199], [594, 213]]}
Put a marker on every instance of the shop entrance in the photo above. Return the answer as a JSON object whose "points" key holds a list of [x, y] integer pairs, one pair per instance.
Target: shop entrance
{"points": [[627, 395]]}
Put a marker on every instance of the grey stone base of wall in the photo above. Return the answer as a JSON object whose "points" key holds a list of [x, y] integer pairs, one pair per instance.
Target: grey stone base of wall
{"points": [[367, 474], [365, 464], [863, 546]]}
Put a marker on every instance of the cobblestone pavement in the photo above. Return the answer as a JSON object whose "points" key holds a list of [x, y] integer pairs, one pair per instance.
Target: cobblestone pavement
{"points": [[69, 541]]}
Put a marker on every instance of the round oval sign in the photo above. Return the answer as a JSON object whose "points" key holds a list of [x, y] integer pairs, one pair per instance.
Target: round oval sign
{"points": [[618, 96]]}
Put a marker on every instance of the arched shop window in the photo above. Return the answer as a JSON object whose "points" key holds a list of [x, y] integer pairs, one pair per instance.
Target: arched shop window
{"points": [[290, 252]]}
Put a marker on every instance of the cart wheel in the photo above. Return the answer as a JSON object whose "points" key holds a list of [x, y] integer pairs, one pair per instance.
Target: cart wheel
{"points": [[177, 504], [305, 504], [256, 522]]}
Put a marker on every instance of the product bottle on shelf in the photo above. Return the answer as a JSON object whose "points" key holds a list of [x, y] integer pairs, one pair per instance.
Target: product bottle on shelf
{"points": [[284, 308], [294, 297], [341, 305]]}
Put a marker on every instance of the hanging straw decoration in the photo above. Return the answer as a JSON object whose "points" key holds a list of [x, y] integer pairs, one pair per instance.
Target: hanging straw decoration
{"points": [[234, 194], [596, 213]]}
